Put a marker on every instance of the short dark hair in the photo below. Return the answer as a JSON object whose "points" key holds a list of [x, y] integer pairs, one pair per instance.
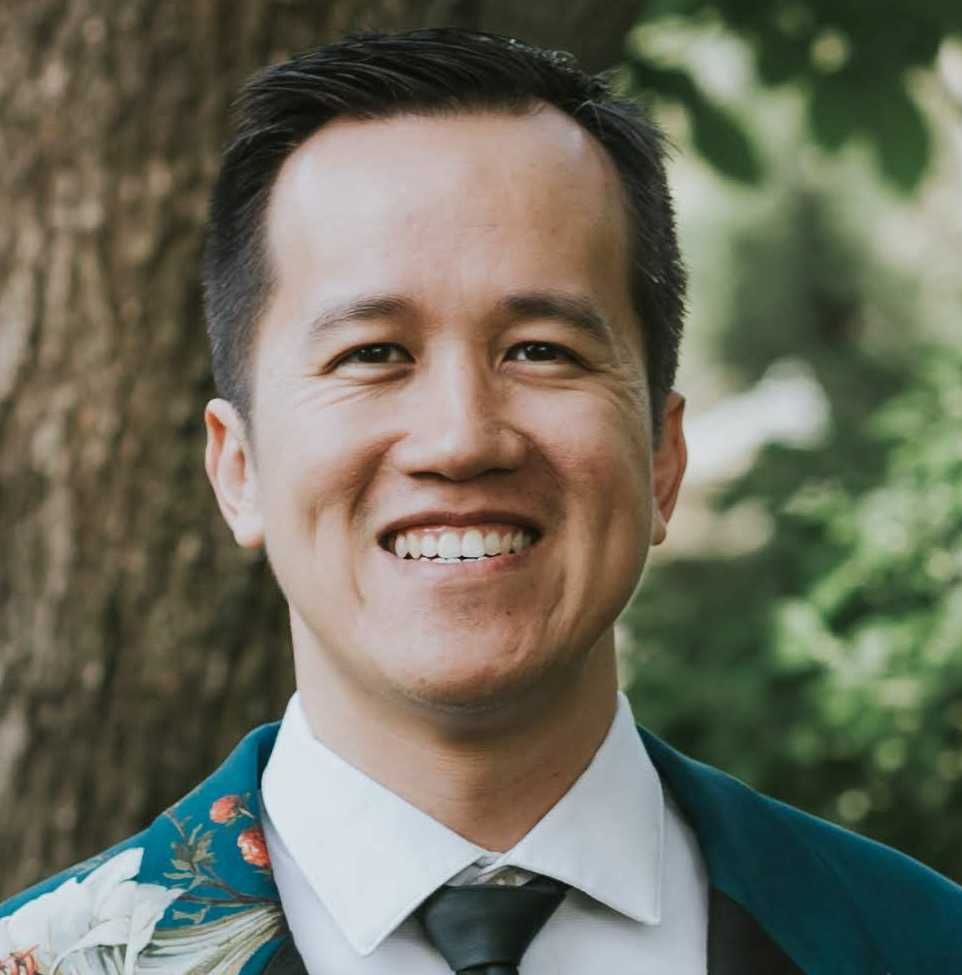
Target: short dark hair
{"points": [[438, 71]]}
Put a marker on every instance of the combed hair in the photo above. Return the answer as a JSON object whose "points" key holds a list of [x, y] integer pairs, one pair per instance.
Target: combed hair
{"points": [[435, 72]]}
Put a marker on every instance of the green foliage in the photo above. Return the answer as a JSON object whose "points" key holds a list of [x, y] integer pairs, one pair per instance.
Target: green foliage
{"points": [[716, 132], [826, 668], [846, 106], [853, 63]]}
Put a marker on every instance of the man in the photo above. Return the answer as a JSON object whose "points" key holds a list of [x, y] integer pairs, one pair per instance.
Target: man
{"points": [[444, 300]]}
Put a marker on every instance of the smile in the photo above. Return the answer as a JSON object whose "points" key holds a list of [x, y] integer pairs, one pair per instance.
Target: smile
{"points": [[448, 544]]}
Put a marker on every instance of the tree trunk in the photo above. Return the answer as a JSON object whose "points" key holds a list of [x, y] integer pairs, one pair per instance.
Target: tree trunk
{"points": [[137, 643]]}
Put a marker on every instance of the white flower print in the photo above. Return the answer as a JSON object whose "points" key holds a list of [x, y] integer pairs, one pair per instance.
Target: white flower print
{"points": [[95, 926]]}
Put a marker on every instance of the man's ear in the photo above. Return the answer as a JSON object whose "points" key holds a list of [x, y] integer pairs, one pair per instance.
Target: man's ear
{"points": [[668, 468], [229, 462]]}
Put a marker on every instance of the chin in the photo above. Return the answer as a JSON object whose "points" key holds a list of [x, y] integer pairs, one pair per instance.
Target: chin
{"points": [[474, 684]]}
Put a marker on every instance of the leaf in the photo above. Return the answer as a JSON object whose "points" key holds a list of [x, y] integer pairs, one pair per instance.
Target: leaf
{"points": [[182, 865], [647, 78], [716, 132], [881, 111], [722, 140], [202, 851], [832, 114], [899, 135], [196, 916], [780, 59]]}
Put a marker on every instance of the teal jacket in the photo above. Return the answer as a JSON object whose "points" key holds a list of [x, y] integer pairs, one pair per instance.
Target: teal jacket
{"points": [[193, 894]]}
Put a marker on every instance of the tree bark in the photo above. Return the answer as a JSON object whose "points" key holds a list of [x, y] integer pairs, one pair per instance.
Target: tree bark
{"points": [[137, 643]]}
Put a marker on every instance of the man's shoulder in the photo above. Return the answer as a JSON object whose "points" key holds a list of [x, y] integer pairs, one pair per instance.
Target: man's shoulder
{"points": [[194, 884], [912, 913], [891, 887], [129, 850], [224, 798], [97, 907], [807, 877]]}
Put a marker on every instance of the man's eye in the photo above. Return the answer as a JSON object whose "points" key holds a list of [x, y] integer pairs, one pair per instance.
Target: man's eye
{"points": [[540, 352], [383, 353]]}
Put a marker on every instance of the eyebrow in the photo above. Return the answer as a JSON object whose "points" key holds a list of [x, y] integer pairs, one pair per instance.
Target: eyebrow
{"points": [[575, 310], [365, 308]]}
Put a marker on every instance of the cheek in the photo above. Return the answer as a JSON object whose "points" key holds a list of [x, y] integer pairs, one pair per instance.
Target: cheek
{"points": [[601, 469], [601, 459], [313, 470], [599, 452]]}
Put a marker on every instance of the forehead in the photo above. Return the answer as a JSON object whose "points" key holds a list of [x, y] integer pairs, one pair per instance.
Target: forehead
{"points": [[434, 203]]}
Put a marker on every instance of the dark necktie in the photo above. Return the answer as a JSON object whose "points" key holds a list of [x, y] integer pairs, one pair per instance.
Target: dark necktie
{"points": [[484, 929]]}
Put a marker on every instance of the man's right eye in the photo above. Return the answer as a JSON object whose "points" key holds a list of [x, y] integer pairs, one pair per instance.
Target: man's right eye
{"points": [[382, 353]]}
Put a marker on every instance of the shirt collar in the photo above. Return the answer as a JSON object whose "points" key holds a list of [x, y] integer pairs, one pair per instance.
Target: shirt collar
{"points": [[605, 836], [372, 857]]}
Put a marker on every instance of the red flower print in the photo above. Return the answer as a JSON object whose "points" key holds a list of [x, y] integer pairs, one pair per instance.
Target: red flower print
{"points": [[225, 810], [20, 963], [253, 847]]}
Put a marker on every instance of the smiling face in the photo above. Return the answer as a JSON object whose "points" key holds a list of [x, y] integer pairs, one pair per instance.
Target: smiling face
{"points": [[449, 367]]}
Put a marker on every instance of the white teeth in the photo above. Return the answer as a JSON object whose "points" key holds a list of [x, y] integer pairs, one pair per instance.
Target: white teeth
{"points": [[453, 546], [472, 545], [449, 546]]}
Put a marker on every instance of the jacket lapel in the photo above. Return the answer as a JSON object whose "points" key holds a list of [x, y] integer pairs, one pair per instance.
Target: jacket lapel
{"points": [[773, 889], [210, 848]]}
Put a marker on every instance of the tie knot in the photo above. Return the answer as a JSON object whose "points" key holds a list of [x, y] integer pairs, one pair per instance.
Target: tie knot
{"points": [[485, 929]]}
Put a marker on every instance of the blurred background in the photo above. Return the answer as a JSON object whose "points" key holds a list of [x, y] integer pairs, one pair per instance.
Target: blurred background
{"points": [[801, 628]]}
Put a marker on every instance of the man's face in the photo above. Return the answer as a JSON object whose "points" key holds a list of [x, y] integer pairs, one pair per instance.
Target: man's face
{"points": [[450, 361]]}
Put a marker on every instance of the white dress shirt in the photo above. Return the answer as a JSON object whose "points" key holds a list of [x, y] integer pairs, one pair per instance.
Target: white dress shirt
{"points": [[352, 860]]}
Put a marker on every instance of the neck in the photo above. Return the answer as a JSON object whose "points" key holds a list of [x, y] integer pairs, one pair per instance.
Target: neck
{"points": [[487, 777]]}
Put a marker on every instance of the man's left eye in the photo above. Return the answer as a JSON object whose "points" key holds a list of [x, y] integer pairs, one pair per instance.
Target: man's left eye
{"points": [[381, 353], [540, 352]]}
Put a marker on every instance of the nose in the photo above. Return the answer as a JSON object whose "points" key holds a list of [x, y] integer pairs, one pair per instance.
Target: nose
{"points": [[458, 424]]}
